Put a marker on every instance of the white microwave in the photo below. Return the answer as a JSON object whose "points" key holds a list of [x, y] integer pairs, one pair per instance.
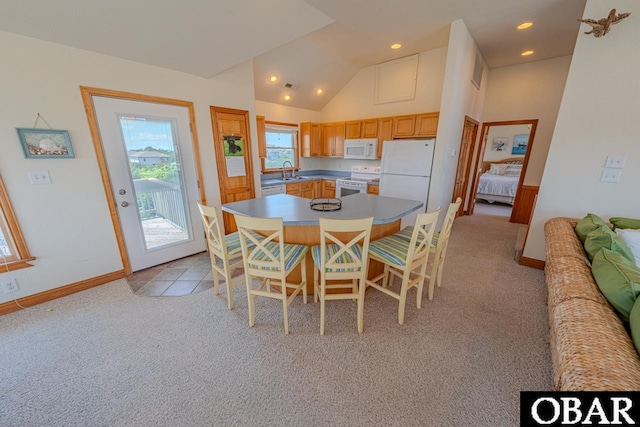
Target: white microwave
{"points": [[365, 148]]}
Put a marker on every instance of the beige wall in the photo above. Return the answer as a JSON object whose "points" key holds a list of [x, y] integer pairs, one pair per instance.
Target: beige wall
{"points": [[528, 91], [597, 118], [460, 98], [355, 100], [67, 224]]}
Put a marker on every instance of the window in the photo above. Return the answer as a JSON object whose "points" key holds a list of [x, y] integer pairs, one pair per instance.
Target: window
{"points": [[281, 142], [14, 253]]}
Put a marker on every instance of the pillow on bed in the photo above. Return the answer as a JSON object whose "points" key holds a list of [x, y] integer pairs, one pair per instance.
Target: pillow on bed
{"points": [[632, 239], [513, 172], [497, 169]]}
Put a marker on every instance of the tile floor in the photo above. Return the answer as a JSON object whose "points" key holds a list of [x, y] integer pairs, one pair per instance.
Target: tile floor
{"points": [[181, 277]]}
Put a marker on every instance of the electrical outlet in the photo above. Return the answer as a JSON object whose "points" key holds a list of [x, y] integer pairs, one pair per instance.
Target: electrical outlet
{"points": [[39, 177], [10, 286], [610, 175]]}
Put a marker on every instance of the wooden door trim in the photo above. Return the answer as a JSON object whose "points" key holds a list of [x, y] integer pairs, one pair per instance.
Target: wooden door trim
{"points": [[482, 147], [87, 93], [465, 191]]}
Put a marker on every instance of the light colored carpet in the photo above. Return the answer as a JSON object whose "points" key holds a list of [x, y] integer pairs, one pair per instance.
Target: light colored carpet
{"points": [[108, 357]]}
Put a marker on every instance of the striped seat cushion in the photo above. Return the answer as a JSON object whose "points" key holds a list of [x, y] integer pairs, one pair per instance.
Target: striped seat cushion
{"points": [[406, 233], [233, 242], [345, 258], [292, 255], [392, 249]]}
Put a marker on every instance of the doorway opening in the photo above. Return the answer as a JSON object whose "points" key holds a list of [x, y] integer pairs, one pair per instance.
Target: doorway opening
{"points": [[500, 167]]}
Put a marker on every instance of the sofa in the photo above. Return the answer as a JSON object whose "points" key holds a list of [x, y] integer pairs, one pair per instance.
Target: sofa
{"points": [[590, 347]]}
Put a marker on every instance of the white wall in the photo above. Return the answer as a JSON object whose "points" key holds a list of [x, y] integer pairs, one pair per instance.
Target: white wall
{"points": [[528, 91], [597, 117], [459, 98], [355, 100], [67, 224]]}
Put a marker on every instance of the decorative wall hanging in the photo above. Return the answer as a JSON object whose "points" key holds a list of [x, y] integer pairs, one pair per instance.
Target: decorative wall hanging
{"points": [[45, 143], [602, 26]]}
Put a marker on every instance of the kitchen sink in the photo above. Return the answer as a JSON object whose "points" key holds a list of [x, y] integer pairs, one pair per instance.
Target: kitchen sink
{"points": [[293, 178]]}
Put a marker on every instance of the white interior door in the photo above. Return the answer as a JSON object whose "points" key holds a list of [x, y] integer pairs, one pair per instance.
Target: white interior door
{"points": [[149, 153]]}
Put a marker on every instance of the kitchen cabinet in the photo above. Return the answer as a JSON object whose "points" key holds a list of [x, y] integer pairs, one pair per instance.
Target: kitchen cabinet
{"points": [[310, 139], [295, 189], [317, 188], [328, 188], [361, 129], [385, 132], [333, 139], [404, 126], [353, 129], [373, 189], [426, 124], [307, 189], [370, 128]]}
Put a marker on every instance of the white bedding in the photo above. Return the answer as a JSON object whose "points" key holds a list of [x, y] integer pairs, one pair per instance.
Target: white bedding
{"points": [[498, 185]]}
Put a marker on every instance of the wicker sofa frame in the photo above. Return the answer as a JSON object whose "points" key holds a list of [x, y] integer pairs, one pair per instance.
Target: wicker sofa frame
{"points": [[590, 347]]}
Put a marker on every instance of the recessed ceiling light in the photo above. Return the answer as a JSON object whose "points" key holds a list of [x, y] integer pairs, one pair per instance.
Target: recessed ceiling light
{"points": [[319, 91], [287, 97], [273, 78], [525, 25], [527, 53], [396, 46]]}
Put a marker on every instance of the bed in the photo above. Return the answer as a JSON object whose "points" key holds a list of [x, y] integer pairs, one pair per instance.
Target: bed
{"points": [[499, 180]]}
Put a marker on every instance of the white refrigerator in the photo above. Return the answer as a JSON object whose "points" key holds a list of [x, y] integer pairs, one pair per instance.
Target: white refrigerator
{"points": [[406, 171]]}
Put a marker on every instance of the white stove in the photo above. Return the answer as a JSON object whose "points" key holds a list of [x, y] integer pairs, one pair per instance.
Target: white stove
{"points": [[357, 182]]}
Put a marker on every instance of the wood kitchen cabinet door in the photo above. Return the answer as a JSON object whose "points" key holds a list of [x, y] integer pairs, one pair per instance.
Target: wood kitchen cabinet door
{"points": [[234, 178], [310, 139], [329, 189], [338, 139], [294, 189], [370, 128], [317, 188], [404, 126], [385, 133], [353, 129], [307, 189], [327, 139], [262, 136], [427, 124]]}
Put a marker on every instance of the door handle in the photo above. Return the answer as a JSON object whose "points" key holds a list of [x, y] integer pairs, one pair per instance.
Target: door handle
{"points": [[124, 204]]}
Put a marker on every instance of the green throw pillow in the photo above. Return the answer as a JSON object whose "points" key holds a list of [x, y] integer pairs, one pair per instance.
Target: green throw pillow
{"points": [[588, 224], [619, 222], [603, 237], [634, 324], [618, 280]]}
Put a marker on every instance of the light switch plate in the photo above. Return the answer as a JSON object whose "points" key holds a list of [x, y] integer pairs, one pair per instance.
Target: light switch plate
{"points": [[611, 175], [615, 162], [39, 177]]}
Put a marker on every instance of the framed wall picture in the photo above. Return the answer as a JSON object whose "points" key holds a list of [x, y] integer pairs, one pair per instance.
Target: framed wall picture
{"points": [[45, 143], [500, 144], [520, 144]]}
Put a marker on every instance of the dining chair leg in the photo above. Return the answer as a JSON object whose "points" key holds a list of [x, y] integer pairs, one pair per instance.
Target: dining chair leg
{"points": [[385, 277], [440, 268], [322, 304], [361, 290], [216, 281], [251, 300], [285, 314], [423, 270], [403, 297], [303, 272], [433, 277], [316, 287]]}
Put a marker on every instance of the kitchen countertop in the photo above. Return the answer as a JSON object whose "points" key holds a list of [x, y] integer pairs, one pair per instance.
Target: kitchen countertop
{"points": [[296, 210]]}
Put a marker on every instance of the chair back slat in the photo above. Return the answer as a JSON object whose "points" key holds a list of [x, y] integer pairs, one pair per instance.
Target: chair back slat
{"points": [[356, 249], [268, 253], [423, 231], [214, 229]]}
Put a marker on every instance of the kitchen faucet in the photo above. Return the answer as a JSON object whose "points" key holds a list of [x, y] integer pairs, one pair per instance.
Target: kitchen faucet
{"points": [[284, 173]]}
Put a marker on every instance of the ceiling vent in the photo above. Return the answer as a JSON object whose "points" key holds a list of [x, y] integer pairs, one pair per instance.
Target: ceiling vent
{"points": [[478, 70], [291, 86]]}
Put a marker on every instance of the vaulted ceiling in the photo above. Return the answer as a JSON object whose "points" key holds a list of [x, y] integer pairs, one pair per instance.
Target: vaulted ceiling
{"points": [[308, 44]]}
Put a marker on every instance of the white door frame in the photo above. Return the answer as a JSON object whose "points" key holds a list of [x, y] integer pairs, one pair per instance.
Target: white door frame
{"points": [[87, 94]]}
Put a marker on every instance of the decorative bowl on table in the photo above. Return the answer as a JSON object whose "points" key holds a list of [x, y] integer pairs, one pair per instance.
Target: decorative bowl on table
{"points": [[325, 204]]}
